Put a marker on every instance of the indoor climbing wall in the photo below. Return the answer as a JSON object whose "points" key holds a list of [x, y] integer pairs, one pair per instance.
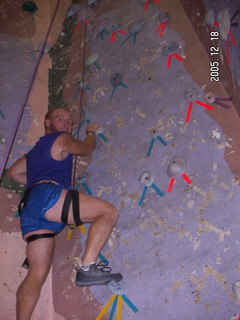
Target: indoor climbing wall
{"points": [[160, 160], [167, 152], [17, 64]]}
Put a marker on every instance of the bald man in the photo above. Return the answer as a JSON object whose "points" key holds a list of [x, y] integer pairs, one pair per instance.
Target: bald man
{"points": [[50, 204]]}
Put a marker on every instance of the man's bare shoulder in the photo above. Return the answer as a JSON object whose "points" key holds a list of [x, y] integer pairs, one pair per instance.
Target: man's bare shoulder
{"points": [[64, 139], [67, 143]]}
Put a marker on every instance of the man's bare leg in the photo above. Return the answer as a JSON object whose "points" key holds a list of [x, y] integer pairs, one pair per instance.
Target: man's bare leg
{"points": [[40, 254], [103, 216], [100, 213]]}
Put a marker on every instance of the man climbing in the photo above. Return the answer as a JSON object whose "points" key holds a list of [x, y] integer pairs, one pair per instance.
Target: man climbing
{"points": [[50, 204]]}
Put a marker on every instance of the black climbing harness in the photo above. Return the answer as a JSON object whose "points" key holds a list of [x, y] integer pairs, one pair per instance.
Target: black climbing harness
{"points": [[71, 196], [23, 201], [36, 237]]}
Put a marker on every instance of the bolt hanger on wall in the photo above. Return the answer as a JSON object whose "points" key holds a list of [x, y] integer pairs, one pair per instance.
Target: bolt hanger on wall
{"points": [[101, 134], [81, 181], [211, 98], [116, 28], [155, 136], [116, 81], [147, 178], [163, 17], [80, 86], [100, 29], [133, 31]]}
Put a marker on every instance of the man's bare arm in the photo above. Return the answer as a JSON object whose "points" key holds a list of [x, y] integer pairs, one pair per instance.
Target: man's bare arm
{"points": [[68, 143], [17, 172]]}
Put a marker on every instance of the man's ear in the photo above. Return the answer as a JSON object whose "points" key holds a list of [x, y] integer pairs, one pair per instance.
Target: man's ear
{"points": [[46, 123]]}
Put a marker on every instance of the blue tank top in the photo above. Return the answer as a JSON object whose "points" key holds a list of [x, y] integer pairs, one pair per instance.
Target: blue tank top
{"points": [[42, 166]]}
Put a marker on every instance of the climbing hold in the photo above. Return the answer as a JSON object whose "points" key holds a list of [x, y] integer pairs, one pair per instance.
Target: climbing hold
{"points": [[136, 26], [176, 167], [155, 135], [92, 60], [2, 142], [210, 97], [209, 18], [171, 48], [79, 87], [224, 23], [163, 17], [116, 80], [81, 180], [101, 134], [133, 30], [115, 287], [75, 8], [84, 176], [29, 6], [147, 178], [191, 94], [115, 27], [100, 29], [236, 292]]}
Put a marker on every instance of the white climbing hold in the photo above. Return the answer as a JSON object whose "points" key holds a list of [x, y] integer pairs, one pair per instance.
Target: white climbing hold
{"points": [[224, 23], [209, 18]]}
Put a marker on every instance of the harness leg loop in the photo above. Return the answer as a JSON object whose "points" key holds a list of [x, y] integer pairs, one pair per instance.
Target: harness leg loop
{"points": [[72, 195], [36, 237]]}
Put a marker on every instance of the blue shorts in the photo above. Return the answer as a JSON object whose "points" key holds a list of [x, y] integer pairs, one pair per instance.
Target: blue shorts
{"points": [[41, 198]]}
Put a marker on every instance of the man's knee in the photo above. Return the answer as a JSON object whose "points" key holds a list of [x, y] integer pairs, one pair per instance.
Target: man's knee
{"points": [[38, 276], [113, 212]]}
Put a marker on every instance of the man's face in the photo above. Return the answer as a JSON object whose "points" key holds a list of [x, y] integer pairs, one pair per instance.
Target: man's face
{"points": [[60, 120]]}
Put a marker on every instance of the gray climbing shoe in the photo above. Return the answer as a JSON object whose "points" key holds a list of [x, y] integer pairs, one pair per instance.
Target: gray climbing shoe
{"points": [[99, 274]]}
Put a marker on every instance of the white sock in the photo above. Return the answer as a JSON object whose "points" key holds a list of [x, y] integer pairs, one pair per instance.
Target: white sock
{"points": [[87, 267]]}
